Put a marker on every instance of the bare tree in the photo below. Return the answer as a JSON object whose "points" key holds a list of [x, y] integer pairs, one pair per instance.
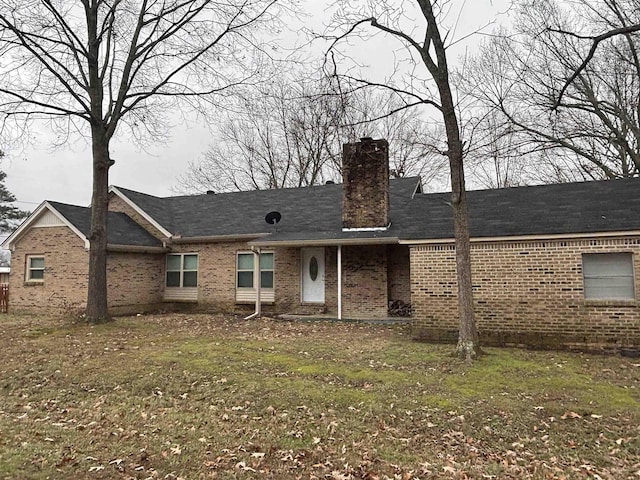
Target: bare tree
{"points": [[427, 52], [292, 134], [588, 128], [95, 65]]}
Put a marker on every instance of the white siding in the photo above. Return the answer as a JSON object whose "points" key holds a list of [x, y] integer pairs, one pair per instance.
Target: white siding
{"points": [[248, 295], [48, 219], [177, 294]]}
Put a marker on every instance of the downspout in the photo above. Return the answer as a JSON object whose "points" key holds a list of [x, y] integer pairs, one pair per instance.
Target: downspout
{"points": [[339, 282], [256, 282]]}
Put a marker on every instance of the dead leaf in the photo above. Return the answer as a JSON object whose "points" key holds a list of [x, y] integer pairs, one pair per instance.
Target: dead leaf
{"points": [[570, 415]]}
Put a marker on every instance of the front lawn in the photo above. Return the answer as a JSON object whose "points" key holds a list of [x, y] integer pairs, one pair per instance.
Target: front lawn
{"points": [[197, 397]]}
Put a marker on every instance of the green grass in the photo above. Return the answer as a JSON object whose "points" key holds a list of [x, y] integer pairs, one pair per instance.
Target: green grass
{"points": [[195, 396]]}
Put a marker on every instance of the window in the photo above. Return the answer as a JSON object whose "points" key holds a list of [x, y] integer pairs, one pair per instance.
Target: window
{"points": [[608, 276], [35, 269], [182, 270], [245, 269]]}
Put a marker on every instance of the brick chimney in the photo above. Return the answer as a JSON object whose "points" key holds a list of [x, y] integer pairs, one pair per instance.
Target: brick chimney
{"points": [[365, 189]]}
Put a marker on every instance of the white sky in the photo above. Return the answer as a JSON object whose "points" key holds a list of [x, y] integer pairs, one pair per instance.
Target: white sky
{"points": [[64, 175]]}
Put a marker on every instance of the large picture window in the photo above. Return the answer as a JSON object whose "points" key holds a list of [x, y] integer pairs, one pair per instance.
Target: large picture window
{"points": [[608, 276], [182, 270], [246, 267], [35, 268]]}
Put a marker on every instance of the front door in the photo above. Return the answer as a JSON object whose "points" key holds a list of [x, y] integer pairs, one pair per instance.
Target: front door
{"points": [[313, 275]]}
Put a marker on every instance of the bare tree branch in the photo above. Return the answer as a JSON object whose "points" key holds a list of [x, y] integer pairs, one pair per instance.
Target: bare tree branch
{"points": [[592, 51]]}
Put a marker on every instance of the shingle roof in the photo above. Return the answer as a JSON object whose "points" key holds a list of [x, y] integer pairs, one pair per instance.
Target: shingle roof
{"points": [[121, 229], [567, 208], [305, 211], [314, 213]]}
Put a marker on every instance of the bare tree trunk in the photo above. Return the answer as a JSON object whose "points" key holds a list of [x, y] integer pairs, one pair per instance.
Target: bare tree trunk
{"points": [[468, 340], [97, 310]]}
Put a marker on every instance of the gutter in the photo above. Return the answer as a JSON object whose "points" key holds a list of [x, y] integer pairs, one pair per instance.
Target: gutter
{"points": [[256, 281], [135, 248], [177, 239], [329, 242], [525, 238]]}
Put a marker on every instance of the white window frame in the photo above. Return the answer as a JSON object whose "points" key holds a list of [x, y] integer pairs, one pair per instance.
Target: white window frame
{"points": [[29, 269], [182, 270], [248, 294], [618, 277]]}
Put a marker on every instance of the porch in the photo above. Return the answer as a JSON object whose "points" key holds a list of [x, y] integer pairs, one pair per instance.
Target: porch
{"points": [[292, 317]]}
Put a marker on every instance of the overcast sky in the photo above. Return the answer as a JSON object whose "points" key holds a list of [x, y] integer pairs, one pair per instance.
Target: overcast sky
{"points": [[64, 175]]}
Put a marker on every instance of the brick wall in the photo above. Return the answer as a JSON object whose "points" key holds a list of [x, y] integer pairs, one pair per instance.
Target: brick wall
{"points": [[65, 275], [364, 281], [217, 279], [136, 282], [527, 293]]}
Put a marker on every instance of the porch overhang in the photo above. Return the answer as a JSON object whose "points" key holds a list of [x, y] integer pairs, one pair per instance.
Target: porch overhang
{"points": [[177, 239], [324, 242]]}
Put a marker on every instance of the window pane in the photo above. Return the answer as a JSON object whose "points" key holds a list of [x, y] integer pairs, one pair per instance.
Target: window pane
{"points": [[173, 279], [245, 261], [36, 275], [611, 264], [36, 262], [266, 279], [191, 262], [608, 276], [173, 262], [266, 261], [245, 279], [190, 279]]}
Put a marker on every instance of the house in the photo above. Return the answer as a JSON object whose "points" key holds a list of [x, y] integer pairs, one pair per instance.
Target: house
{"points": [[552, 265]]}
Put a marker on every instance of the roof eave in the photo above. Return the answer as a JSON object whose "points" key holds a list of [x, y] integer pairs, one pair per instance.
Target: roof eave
{"points": [[325, 242], [135, 248], [532, 237], [216, 238]]}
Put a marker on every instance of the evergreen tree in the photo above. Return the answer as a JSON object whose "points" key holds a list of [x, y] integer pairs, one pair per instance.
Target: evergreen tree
{"points": [[10, 215]]}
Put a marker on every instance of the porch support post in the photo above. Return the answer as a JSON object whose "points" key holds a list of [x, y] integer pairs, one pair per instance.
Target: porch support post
{"points": [[339, 282], [257, 278]]}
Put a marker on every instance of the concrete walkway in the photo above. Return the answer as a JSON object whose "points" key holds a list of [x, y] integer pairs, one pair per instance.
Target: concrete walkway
{"points": [[332, 318]]}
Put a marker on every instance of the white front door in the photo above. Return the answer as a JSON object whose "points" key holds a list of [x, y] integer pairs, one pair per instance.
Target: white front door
{"points": [[313, 275]]}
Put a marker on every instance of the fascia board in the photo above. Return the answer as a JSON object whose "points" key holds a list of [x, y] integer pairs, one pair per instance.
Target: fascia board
{"points": [[135, 248], [329, 242], [526, 238], [139, 211], [216, 238]]}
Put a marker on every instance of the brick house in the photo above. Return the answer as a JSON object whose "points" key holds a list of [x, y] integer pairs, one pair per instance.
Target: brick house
{"points": [[552, 265]]}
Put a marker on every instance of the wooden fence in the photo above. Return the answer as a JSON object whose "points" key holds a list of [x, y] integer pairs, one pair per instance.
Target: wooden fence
{"points": [[4, 297]]}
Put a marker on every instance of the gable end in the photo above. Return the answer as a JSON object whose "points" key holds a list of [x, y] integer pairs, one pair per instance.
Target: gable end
{"points": [[44, 216]]}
